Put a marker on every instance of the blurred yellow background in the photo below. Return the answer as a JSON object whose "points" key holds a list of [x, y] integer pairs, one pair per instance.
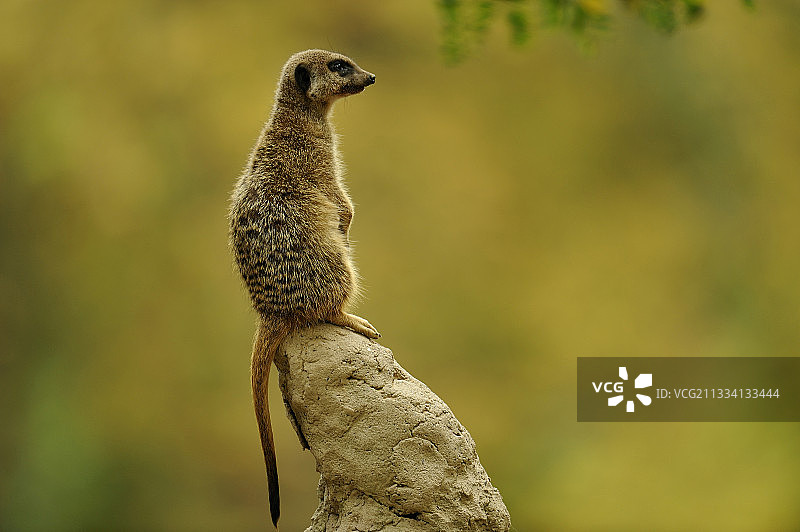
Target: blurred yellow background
{"points": [[514, 212]]}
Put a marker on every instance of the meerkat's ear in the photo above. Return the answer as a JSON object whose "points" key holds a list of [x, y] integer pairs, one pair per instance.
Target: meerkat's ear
{"points": [[303, 78]]}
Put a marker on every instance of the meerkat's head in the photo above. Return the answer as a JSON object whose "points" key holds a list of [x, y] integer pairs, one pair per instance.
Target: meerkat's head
{"points": [[322, 77]]}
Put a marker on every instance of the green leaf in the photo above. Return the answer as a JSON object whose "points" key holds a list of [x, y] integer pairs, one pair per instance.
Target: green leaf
{"points": [[518, 23]]}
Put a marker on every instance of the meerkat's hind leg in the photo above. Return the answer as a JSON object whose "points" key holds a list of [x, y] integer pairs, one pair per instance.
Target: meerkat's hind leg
{"points": [[356, 323]]}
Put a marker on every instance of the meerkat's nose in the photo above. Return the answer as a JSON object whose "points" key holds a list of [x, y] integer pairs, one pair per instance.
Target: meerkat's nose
{"points": [[370, 79]]}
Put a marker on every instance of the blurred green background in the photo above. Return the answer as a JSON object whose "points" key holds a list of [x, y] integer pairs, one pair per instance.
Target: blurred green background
{"points": [[515, 211]]}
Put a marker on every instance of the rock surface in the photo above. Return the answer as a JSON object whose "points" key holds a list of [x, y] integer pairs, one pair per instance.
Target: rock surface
{"points": [[391, 454]]}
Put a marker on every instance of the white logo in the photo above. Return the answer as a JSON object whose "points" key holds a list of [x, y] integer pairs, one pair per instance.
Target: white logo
{"points": [[644, 380]]}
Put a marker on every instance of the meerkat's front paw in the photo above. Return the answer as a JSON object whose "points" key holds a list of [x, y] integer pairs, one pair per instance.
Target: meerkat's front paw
{"points": [[356, 323]]}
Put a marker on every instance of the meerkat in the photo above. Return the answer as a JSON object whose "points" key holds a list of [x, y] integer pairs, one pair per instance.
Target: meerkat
{"points": [[289, 220]]}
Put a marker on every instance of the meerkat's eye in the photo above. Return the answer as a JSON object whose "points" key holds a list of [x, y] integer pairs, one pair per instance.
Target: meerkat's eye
{"points": [[340, 67]]}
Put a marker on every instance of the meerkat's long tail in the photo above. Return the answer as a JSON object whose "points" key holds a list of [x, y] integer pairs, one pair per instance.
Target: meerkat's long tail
{"points": [[269, 337]]}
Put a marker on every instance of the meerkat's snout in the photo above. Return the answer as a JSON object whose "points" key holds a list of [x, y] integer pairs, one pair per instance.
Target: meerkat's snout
{"points": [[370, 79]]}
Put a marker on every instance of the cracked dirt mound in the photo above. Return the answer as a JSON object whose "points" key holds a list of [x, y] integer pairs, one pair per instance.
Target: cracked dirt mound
{"points": [[391, 454]]}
